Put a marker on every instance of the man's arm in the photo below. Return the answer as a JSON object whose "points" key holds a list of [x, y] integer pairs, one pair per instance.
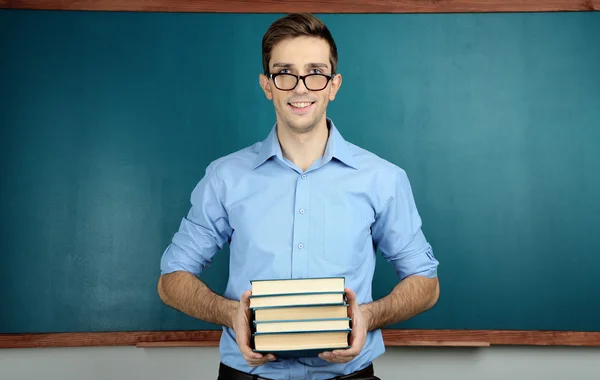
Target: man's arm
{"points": [[397, 232], [201, 234], [185, 292], [411, 296], [205, 230]]}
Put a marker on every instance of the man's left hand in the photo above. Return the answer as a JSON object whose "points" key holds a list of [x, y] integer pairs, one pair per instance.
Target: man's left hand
{"points": [[358, 335]]}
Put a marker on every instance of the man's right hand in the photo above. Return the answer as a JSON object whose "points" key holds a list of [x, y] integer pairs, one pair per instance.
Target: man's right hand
{"points": [[241, 327]]}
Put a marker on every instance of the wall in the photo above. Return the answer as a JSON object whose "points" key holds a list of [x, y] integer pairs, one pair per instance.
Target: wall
{"points": [[128, 363]]}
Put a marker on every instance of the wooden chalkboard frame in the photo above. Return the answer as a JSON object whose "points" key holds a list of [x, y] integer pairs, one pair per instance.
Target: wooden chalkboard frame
{"points": [[392, 337], [210, 338], [314, 6]]}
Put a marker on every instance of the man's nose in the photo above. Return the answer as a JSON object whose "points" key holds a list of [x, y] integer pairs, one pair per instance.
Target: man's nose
{"points": [[300, 87]]}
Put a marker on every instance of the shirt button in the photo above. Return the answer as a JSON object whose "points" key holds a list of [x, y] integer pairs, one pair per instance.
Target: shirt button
{"points": [[302, 211], [303, 176], [300, 246]]}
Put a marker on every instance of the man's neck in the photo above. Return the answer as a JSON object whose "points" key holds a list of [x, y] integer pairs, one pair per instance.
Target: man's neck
{"points": [[303, 149]]}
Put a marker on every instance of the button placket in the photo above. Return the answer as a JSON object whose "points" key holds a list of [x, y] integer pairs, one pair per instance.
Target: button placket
{"points": [[300, 249]]}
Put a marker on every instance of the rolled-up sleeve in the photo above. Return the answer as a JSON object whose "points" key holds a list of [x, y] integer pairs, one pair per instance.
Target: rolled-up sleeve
{"points": [[397, 231], [203, 232]]}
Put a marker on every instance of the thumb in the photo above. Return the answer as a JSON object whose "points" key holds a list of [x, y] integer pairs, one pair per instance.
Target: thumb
{"points": [[350, 296], [245, 299]]}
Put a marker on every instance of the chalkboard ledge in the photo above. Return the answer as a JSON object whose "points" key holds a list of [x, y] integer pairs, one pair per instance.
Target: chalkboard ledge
{"points": [[392, 337]]}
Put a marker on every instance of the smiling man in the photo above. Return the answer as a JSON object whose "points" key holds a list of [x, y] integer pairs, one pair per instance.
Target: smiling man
{"points": [[301, 203]]}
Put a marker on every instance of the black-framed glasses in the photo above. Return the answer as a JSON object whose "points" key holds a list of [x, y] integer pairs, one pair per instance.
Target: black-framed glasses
{"points": [[312, 82]]}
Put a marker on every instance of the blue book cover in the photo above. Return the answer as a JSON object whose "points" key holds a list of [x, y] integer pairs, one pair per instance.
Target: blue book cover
{"points": [[341, 303], [297, 279], [303, 285], [298, 325], [306, 353], [307, 350], [295, 300]]}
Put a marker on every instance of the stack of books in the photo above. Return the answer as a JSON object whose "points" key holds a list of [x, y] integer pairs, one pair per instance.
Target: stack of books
{"points": [[299, 317]]}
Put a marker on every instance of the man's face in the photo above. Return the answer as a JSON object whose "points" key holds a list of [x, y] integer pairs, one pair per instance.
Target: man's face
{"points": [[300, 109]]}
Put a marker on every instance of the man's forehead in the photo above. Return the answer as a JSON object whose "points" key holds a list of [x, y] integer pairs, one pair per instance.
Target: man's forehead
{"points": [[301, 51]]}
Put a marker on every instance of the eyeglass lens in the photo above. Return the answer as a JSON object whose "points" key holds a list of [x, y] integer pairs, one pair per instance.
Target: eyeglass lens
{"points": [[313, 82]]}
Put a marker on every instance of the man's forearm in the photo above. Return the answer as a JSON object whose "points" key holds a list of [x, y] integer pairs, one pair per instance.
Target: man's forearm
{"points": [[410, 297], [186, 293]]}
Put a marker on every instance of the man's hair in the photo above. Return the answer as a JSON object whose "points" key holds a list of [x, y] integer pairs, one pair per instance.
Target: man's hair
{"points": [[297, 25]]}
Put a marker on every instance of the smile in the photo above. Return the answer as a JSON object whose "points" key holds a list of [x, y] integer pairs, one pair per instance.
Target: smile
{"points": [[301, 108], [301, 105]]}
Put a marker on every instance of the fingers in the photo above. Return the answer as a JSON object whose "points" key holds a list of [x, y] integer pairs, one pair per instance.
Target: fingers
{"points": [[242, 331], [357, 335], [256, 362], [336, 357], [258, 359], [349, 353], [244, 345], [253, 358], [341, 356]]}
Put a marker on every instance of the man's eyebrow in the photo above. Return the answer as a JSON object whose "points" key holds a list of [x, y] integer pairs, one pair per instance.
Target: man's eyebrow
{"points": [[281, 64], [289, 65], [317, 64]]}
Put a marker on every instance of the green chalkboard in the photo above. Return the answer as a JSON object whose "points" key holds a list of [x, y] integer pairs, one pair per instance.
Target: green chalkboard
{"points": [[108, 120]]}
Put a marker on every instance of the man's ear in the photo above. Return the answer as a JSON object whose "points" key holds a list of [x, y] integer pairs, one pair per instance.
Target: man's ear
{"points": [[266, 86], [336, 83]]}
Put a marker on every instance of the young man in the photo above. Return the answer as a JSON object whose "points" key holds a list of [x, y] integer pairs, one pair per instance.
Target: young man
{"points": [[301, 203]]}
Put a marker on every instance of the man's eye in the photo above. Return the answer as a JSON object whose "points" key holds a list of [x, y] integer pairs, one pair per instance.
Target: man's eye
{"points": [[316, 71], [284, 71]]}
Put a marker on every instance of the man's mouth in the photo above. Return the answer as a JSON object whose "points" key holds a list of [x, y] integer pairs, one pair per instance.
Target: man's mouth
{"points": [[301, 106]]}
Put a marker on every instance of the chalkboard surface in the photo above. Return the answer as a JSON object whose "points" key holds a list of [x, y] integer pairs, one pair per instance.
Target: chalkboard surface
{"points": [[108, 120]]}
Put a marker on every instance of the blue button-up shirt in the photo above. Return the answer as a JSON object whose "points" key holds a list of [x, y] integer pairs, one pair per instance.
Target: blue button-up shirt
{"points": [[282, 222]]}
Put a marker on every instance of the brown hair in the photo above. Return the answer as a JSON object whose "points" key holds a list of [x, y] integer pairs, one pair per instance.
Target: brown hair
{"points": [[296, 25]]}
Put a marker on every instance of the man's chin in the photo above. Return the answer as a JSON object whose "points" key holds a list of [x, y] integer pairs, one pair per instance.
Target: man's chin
{"points": [[301, 123], [303, 126]]}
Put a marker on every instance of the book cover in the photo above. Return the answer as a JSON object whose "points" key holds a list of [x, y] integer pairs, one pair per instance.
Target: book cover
{"points": [[306, 299], [301, 312], [298, 285], [321, 324], [300, 343]]}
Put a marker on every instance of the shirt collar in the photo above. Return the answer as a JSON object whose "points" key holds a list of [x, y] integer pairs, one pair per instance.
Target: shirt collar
{"points": [[336, 148], [270, 147]]}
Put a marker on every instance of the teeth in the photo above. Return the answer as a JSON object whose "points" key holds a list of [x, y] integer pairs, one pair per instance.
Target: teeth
{"points": [[300, 105]]}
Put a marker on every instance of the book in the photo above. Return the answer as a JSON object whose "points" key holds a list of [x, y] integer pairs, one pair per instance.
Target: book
{"points": [[301, 312], [280, 300], [299, 317], [295, 344], [329, 324], [298, 286]]}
